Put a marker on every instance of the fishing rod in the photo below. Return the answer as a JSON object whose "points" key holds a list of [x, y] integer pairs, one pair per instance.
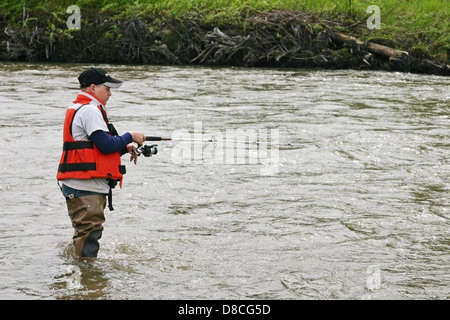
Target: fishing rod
{"points": [[151, 138], [212, 140], [149, 150]]}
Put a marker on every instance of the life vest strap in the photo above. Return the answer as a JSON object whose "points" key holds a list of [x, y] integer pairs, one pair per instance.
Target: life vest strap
{"points": [[86, 166], [76, 145]]}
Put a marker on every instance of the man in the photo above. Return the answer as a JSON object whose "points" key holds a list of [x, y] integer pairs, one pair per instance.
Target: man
{"points": [[90, 164]]}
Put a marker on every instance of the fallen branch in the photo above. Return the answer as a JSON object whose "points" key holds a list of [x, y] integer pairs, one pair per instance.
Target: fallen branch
{"points": [[371, 47]]}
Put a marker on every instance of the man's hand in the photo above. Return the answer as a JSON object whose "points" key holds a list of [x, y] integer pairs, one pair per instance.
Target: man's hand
{"points": [[131, 148], [138, 137]]}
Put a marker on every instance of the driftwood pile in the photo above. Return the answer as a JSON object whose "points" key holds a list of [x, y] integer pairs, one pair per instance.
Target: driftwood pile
{"points": [[275, 39]]}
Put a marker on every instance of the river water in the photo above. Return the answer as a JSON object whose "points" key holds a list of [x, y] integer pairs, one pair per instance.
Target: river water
{"points": [[335, 185]]}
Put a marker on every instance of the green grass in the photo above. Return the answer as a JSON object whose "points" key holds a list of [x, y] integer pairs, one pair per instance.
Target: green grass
{"points": [[392, 10]]}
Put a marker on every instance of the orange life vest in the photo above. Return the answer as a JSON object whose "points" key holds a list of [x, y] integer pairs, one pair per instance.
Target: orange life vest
{"points": [[83, 160]]}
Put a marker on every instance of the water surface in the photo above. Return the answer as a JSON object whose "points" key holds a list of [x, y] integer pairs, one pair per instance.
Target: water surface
{"points": [[353, 205]]}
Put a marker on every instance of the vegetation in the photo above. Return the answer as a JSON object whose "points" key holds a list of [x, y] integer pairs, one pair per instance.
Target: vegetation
{"points": [[171, 31]]}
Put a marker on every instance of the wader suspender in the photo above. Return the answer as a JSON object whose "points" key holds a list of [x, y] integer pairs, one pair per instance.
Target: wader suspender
{"points": [[112, 183]]}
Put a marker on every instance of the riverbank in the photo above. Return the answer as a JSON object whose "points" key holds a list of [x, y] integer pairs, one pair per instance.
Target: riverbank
{"points": [[408, 36]]}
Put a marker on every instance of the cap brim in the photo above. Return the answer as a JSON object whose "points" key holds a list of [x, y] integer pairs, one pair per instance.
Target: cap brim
{"points": [[112, 84]]}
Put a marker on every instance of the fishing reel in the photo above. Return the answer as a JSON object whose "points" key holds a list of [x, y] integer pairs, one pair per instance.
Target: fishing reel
{"points": [[147, 150]]}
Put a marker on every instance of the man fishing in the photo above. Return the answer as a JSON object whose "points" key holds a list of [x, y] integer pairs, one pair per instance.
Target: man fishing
{"points": [[90, 165]]}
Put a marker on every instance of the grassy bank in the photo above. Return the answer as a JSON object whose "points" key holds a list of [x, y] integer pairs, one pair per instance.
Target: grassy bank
{"points": [[418, 26]]}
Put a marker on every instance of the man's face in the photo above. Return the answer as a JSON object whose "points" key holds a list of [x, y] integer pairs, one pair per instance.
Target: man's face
{"points": [[102, 92]]}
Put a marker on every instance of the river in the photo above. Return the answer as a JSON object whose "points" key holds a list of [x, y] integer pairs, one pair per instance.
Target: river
{"points": [[335, 185]]}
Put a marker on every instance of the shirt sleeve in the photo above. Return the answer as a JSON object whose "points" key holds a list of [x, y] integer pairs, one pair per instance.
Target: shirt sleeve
{"points": [[109, 144]]}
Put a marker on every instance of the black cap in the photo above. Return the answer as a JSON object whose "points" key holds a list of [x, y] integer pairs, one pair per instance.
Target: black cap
{"points": [[97, 76]]}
